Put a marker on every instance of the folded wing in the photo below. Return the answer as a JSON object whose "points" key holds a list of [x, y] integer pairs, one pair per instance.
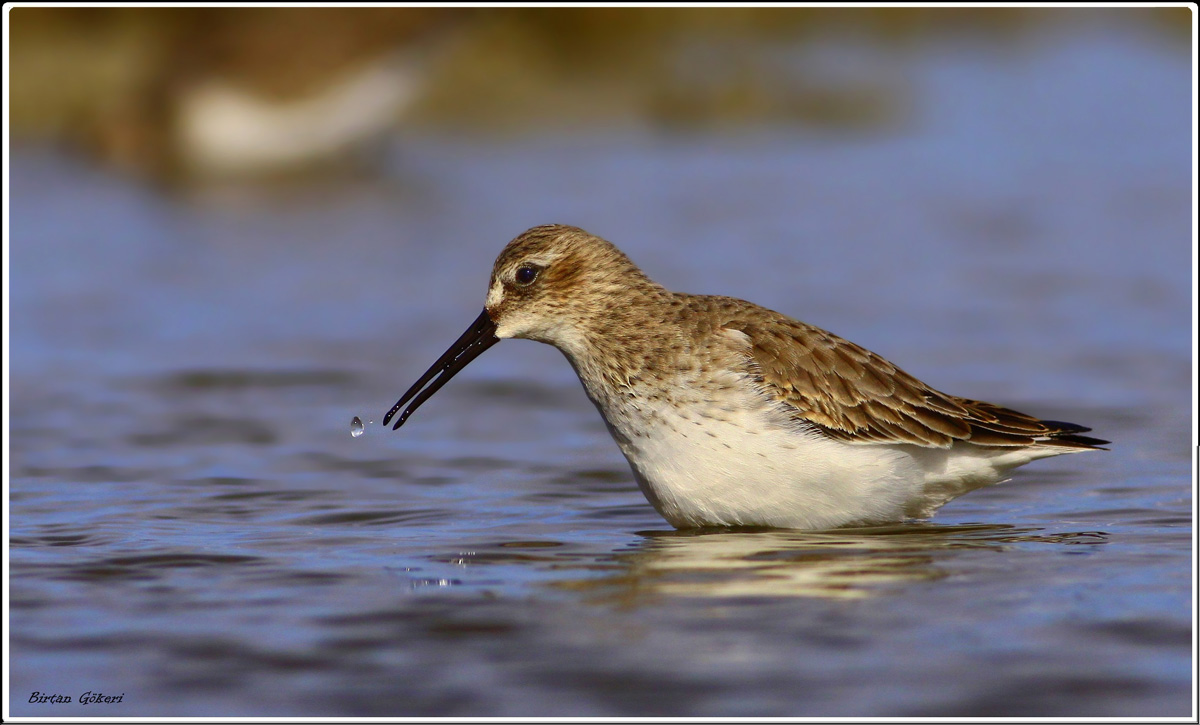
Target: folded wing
{"points": [[854, 395]]}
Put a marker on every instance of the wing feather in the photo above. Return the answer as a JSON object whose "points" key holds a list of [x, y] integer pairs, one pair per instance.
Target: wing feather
{"points": [[854, 395]]}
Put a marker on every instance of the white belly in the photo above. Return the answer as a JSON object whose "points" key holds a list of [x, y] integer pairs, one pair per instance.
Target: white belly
{"points": [[739, 467]]}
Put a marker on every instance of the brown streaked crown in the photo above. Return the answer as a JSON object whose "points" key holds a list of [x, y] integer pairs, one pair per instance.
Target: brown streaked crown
{"points": [[567, 257]]}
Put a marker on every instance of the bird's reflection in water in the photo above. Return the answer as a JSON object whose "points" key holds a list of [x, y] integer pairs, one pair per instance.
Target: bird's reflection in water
{"points": [[842, 564]]}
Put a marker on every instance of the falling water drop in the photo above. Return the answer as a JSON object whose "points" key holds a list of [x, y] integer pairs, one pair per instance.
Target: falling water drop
{"points": [[356, 427]]}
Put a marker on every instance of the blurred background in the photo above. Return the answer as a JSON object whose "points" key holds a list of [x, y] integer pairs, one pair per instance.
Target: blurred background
{"points": [[187, 93], [232, 230]]}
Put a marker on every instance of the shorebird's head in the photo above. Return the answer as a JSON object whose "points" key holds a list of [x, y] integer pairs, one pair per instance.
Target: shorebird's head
{"points": [[552, 280], [549, 284]]}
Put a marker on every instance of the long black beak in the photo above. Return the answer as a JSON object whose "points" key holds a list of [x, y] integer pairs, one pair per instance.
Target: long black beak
{"points": [[479, 336]]}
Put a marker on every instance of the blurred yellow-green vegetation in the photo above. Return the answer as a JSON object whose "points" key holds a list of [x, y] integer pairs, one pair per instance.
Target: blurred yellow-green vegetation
{"points": [[194, 91]]}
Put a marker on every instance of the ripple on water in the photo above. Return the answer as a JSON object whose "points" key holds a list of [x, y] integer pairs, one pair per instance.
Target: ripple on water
{"points": [[374, 517], [208, 381], [140, 566], [205, 430]]}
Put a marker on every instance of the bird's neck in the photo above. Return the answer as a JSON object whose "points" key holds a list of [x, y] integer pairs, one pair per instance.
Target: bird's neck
{"points": [[634, 342]]}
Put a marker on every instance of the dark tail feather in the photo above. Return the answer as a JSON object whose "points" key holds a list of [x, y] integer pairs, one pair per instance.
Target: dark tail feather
{"points": [[1066, 433]]}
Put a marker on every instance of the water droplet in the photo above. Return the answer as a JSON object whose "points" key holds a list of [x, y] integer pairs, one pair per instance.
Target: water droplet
{"points": [[356, 427]]}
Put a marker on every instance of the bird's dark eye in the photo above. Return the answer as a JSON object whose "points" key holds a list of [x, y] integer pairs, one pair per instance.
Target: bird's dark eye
{"points": [[526, 274]]}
